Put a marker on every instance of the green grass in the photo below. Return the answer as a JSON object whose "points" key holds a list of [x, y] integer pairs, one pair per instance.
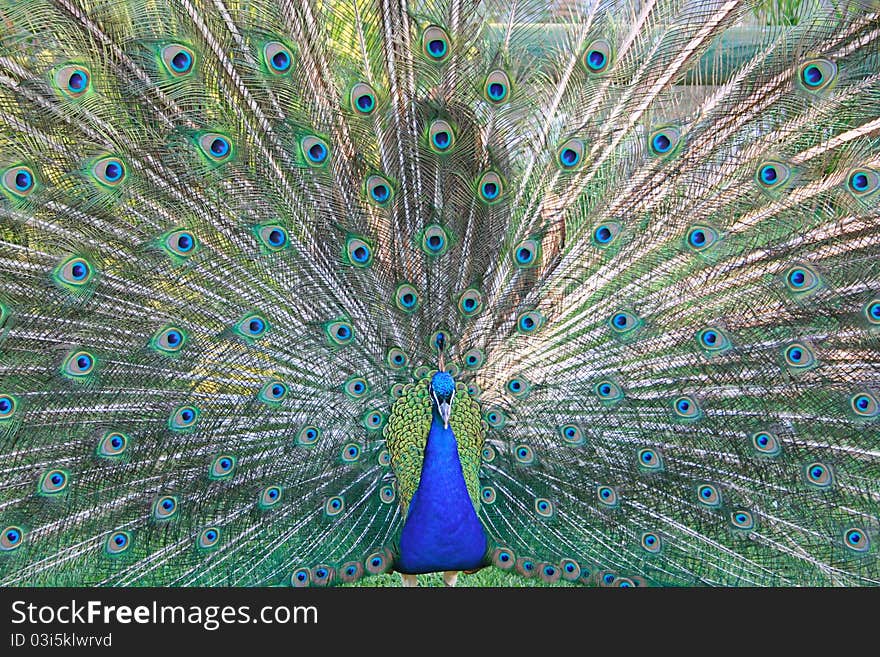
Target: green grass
{"points": [[490, 576]]}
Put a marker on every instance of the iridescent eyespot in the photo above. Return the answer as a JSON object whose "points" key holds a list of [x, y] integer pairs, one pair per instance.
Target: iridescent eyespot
{"points": [[473, 358], [686, 407], [395, 358], [339, 332], [543, 507], [607, 495], [605, 234], [799, 356], [863, 182], [528, 253], [817, 74], [650, 459], [252, 326], [315, 150], [572, 434], [19, 181], [53, 482], [8, 405], [386, 494], [819, 474], [495, 418], [215, 146], [178, 60], [651, 542], [208, 538], [488, 454], [856, 539], [222, 467], [524, 454], [597, 56], [503, 558], [713, 341], [519, 387], [362, 99], [496, 89], [74, 272], [474, 390], [322, 575], [491, 187], [571, 570], [664, 141], [350, 571], [350, 453], [358, 252], [308, 435], [406, 298], [700, 238], [117, 543], [624, 322], [864, 404], [529, 322], [274, 237], [487, 495], [300, 578], [334, 506], [766, 443], [112, 444], [273, 392], [384, 458], [373, 420], [435, 43], [180, 243], [742, 520], [183, 418], [570, 154], [278, 57], [73, 80], [434, 241], [801, 279], [79, 364], [470, 302], [708, 495], [608, 391], [355, 387], [379, 190], [165, 507], [269, 497], [109, 171], [441, 138], [169, 340], [772, 175], [377, 563], [525, 567]]}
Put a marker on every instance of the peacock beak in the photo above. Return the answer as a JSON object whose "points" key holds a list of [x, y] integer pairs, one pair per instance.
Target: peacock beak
{"points": [[445, 408]]}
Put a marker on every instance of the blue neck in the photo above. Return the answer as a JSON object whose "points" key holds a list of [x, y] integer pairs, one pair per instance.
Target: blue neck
{"points": [[442, 531]]}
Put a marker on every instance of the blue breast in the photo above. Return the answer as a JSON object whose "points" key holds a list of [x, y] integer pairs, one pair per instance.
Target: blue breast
{"points": [[442, 531]]}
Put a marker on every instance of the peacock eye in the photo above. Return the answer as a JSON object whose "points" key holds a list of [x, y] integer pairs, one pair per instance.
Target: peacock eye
{"points": [[278, 57], [273, 236], [356, 387], [8, 405], [597, 56], [222, 467], [664, 141], [169, 340], [607, 495], [362, 98], [308, 435], [359, 252], [379, 189], [178, 59], [470, 302], [252, 326], [572, 434], [605, 234], [817, 74], [528, 253], [742, 520], [570, 155], [73, 80], [406, 298], [863, 182], [709, 495], [872, 311], [772, 174], [209, 538], [801, 279], [269, 497], [181, 243], [315, 150], [435, 43], [19, 181], [339, 332], [434, 240], [544, 507], [117, 543], [165, 507], [215, 146], [623, 322], [350, 453], [334, 506], [651, 542], [373, 420], [491, 187], [856, 539], [395, 358], [441, 137], [387, 494], [701, 238], [819, 475], [686, 407], [183, 418], [713, 341], [608, 391], [524, 454], [766, 443], [529, 322], [799, 356], [650, 459], [864, 404], [497, 87], [53, 482], [112, 444], [79, 364], [74, 272], [519, 387], [109, 171]]}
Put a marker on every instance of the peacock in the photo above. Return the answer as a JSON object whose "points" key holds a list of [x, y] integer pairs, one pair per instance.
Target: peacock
{"points": [[300, 292]]}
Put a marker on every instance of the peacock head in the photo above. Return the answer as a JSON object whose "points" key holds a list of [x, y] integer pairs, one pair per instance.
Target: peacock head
{"points": [[443, 390]]}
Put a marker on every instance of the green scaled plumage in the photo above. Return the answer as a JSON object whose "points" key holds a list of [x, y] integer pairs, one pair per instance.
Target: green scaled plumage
{"points": [[231, 233]]}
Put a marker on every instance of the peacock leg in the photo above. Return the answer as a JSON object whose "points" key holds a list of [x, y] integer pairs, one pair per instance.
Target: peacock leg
{"points": [[409, 581], [450, 577]]}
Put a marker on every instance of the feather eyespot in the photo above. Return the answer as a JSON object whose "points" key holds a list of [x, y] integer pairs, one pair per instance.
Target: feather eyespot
{"points": [[708, 495], [865, 405], [570, 155], [664, 141], [441, 137], [19, 181], [53, 482], [651, 542], [165, 507], [607, 495], [112, 444], [334, 506], [222, 467], [109, 171], [308, 435], [178, 60], [8, 406], [817, 74], [278, 57], [435, 43], [605, 234], [379, 190], [819, 475], [435, 241], [856, 539], [497, 87], [183, 418], [269, 497], [216, 147], [597, 56], [315, 150], [766, 443], [362, 99], [406, 298], [79, 364], [117, 543], [208, 538], [73, 80]]}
